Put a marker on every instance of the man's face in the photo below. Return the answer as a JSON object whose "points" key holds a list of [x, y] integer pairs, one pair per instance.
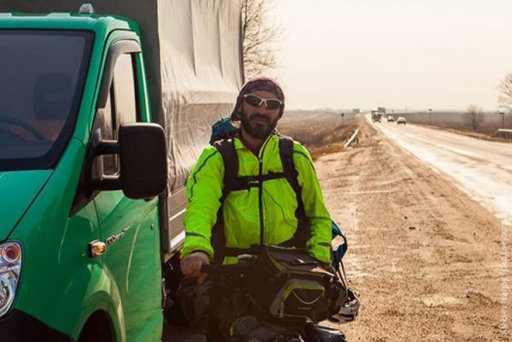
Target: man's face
{"points": [[259, 121]]}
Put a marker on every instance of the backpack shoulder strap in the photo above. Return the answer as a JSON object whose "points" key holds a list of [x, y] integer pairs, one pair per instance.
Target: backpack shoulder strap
{"points": [[286, 154], [232, 181], [303, 231], [227, 150]]}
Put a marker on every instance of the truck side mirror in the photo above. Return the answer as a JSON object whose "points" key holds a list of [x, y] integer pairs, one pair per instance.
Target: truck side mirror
{"points": [[143, 158]]}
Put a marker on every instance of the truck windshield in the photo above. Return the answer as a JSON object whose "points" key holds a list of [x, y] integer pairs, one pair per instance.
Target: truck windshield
{"points": [[42, 75]]}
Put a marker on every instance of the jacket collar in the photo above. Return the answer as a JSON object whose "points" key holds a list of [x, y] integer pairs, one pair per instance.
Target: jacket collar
{"points": [[240, 145]]}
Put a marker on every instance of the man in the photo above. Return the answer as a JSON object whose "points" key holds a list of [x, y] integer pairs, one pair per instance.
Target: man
{"points": [[265, 212]]}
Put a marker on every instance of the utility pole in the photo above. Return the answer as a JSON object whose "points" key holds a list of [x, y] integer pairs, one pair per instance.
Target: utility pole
{"points": [[430, 116], [502, 114]]}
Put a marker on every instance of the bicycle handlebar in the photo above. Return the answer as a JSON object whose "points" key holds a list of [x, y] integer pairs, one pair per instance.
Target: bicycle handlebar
{"points": [[231, 269]]}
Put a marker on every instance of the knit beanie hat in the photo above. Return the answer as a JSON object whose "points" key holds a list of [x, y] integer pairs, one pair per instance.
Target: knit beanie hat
{"points": [[258, 83]]}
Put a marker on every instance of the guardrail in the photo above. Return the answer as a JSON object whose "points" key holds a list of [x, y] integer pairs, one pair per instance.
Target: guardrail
{"points": [[505, 134], [352, 139]]}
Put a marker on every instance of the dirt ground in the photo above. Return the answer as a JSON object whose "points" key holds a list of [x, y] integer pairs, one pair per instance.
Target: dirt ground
{"points": [[426, 258]]}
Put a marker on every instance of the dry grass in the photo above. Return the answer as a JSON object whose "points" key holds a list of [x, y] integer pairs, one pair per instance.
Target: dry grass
{"points": [[457, 123], [320, 133], [483, 136]]}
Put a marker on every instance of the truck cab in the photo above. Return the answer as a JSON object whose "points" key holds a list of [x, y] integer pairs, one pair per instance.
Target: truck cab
{"points": [[376, 116], [102, 118], [79, 234]]}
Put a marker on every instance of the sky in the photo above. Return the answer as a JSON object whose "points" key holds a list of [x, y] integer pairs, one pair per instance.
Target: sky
{"points": [[414, 54]]}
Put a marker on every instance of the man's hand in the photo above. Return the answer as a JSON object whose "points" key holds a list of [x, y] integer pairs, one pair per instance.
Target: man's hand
{"points": [[191, 265]]}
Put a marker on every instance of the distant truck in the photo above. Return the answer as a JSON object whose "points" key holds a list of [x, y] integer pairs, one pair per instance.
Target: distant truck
{"points": [[376, 116], [100, 125]]}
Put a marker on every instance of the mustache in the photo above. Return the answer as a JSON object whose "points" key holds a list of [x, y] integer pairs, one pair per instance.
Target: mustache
{"points": [[259, 116]]}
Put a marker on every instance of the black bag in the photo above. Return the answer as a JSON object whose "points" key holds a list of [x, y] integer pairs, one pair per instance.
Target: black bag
{"points": [[320, 333], [250, 329], [287, 286]]}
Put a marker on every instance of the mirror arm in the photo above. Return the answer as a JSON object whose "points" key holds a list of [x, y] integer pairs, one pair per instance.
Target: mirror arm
{"points": [[107, 147], [108, 183]]}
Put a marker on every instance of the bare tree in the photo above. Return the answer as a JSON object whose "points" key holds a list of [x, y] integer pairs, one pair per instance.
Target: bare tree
{"points": [[259, 37], [505, 98], [474, 116]]}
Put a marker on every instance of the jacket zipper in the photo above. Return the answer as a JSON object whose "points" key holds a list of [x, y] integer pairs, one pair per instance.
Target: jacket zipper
{"points": [[260, 200], [260, 190]]}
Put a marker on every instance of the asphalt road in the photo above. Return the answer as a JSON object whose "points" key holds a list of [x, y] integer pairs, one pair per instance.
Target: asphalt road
{"points": [[483, 169]]}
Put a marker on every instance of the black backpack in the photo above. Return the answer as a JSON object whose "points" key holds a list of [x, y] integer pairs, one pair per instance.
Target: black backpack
{"points": [[221, 137], [233, 182]]}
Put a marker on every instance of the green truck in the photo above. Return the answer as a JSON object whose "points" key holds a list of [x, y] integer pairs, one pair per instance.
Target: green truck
{"points": [[101, 120]]}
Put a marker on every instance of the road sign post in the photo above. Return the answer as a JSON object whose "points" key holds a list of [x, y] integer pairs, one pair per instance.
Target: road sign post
{"points": [[502, 114]]}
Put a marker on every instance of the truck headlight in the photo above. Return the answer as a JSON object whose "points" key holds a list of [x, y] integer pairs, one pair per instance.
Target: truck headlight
{"points": [[10, 267]]}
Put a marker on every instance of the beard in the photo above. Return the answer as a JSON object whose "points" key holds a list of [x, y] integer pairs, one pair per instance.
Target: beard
{"points": [[257, 129]]}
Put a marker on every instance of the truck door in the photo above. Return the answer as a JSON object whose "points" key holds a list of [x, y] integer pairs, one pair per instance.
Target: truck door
{"points": [[129, 227]]}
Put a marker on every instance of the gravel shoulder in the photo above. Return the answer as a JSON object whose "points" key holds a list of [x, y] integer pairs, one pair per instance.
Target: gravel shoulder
{"points": [[426, 259]]}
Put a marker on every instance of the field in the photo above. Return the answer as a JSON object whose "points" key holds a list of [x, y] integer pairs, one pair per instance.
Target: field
{"points": [[321, 133]]}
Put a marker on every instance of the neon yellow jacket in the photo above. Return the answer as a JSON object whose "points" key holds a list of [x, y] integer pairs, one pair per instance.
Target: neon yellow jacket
{"points": [[241, 208]]}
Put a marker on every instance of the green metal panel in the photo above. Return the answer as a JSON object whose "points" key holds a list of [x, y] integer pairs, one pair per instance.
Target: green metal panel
{"points": [[60, 284], [145, 105], [132, 259], [57, 273], [26, 185]]}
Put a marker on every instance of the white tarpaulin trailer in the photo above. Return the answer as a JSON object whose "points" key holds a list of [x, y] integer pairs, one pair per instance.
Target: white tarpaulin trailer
{"points": [[192, 51]]}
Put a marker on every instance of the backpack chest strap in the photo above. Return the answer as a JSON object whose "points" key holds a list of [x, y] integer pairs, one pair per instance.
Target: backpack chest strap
{"points": [[247, 182], [233, 182]]}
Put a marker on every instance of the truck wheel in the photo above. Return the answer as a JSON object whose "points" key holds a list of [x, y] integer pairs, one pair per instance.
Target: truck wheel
{"points": [[97, 329]]}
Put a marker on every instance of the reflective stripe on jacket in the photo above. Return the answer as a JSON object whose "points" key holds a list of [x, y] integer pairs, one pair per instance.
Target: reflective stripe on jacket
{"points": [[241, 209]]}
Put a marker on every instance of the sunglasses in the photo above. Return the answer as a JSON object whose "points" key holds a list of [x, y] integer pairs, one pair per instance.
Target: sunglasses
{"points": [[256, 101]]}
